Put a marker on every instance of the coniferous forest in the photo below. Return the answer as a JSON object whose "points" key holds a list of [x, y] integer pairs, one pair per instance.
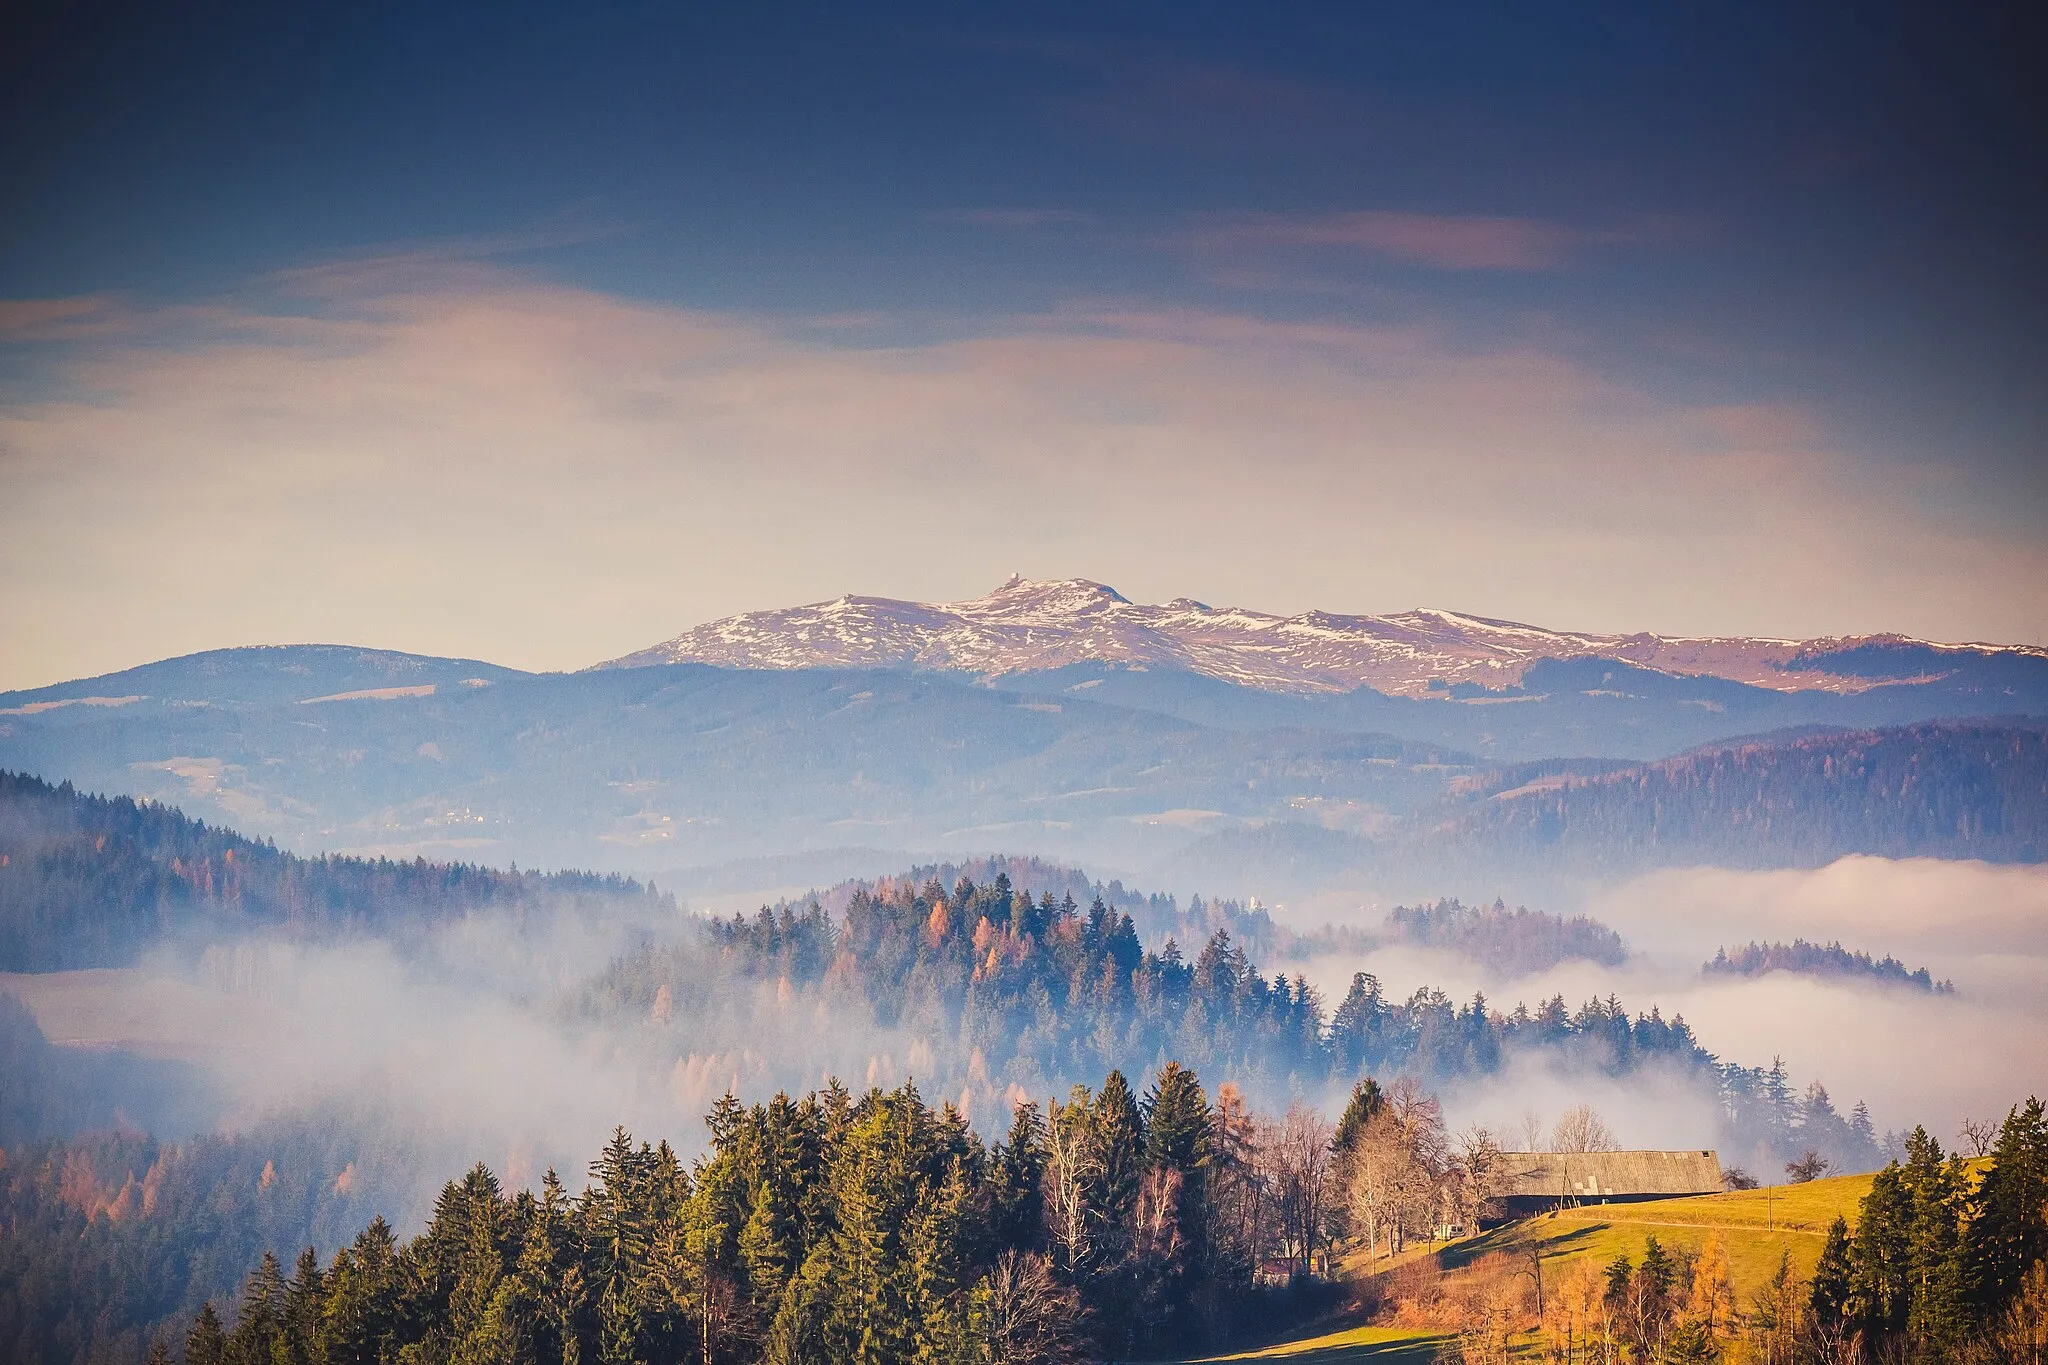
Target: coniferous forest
{"points": [[1165, 1215], [93, 881], [878, 1229]]}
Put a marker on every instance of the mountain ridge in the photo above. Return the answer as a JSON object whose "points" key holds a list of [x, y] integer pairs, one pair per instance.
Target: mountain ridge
{"points": [[1028, 626]]}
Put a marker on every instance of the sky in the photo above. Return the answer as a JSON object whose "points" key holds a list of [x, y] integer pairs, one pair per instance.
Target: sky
{"points": [[539, 333]]}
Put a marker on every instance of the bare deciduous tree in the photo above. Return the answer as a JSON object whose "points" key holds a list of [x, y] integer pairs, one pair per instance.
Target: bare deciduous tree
{"points": [[1483, 1176], [1978, 1136], [1400, 1169], [1240, 1206], [1299, 1156], [1580, 1129], [1027, 1315], [1069, 1170]]}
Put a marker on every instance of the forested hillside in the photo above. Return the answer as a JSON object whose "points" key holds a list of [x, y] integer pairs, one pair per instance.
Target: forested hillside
{"points": [[1949, 790], [90, 881], [1001, 992], [107, 1236], [1832, 959], [1511, 942], [1962, 789]]}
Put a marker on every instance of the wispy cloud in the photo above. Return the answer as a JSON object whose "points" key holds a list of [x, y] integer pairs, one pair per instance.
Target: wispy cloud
{"points": [[61, 319], [1433, 241], [465, 459]]}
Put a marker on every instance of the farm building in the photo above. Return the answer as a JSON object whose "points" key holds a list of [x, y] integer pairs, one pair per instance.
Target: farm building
{"points": [[1536, 1182]]}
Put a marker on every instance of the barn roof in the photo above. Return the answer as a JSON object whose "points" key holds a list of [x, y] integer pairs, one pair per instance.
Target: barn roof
{"points": [[1601, 1175]]}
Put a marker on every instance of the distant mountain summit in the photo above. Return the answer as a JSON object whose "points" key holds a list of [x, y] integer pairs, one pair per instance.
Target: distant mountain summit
{"points": [[1026, 626]]}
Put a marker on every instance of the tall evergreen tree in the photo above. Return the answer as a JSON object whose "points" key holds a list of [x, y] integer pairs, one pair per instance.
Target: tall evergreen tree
{"points": [[1881, 1254], [1830, 1297], [1117, 1132], [1361, 1109], [206, 1343], [2009, 1227], [1176, 1119]]}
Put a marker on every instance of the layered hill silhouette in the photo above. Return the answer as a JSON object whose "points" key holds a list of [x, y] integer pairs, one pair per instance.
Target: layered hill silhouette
{"points": [[1200, 747]]}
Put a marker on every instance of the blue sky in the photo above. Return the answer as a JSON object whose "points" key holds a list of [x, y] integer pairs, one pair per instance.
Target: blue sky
{"points": [[1723, 318]]}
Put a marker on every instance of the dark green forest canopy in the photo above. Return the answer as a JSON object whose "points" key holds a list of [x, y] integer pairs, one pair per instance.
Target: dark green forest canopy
{"points": [[1941, 1252], [91, 881], [1031, 991], [879, 1228]]}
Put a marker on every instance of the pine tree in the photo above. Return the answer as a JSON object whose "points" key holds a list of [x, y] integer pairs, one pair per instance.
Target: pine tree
{"points": [[1361, 1109], [1117, 1134], [206, 1343], [1830, 1298], [1176, 1120], [2009, 1227]]}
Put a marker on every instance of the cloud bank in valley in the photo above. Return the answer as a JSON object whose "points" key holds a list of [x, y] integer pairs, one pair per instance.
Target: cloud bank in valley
{"points": [[457, 459], [1914, 1058]]}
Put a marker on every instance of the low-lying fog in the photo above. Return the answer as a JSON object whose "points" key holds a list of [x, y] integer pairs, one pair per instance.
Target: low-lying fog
{"points": [[470, 1036], [1911, 1056]]}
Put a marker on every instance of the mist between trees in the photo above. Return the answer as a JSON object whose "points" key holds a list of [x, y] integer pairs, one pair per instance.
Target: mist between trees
{"points": [[348, 1059], [880, 1228], [997, 994]]}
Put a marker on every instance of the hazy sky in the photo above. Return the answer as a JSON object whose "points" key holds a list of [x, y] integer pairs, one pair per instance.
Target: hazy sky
{"points": [[542, 333]]}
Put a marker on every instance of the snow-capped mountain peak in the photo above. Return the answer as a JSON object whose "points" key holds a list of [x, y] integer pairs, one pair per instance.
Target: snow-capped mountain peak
{"points": [[1029, 625]]}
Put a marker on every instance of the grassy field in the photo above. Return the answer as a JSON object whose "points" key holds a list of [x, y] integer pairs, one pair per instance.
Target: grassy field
{"points": [[1755, 1227]]}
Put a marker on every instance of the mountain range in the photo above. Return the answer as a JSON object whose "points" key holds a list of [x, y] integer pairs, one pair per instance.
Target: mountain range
{"points": [[1200, 749], [1033, 627]]}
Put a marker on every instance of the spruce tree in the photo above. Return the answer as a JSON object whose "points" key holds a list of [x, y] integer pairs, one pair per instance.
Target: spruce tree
{"points": [[206, 1343], [1361, 1109], [1017, 1180], [259, 1323], [2009, 1228], [1830, 1298], [1177, 1121], [1936, 1311], [1881, 1254], [1117, 1133]]}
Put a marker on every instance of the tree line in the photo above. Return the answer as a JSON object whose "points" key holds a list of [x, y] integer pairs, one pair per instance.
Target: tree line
{"points": [[91, 881], [1815, 959], [1030, 990], [1946, 1260], [1944, 789], [837, 1228], [1947, 1265]]}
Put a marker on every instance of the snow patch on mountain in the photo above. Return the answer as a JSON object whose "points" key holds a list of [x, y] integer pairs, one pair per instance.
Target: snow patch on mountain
{"points": [[1028, 626]]}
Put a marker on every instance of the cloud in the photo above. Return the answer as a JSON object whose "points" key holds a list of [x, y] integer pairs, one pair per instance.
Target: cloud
{"points": [[62, 319], [458, 458], [1914, 1058], [1433, 241]]}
